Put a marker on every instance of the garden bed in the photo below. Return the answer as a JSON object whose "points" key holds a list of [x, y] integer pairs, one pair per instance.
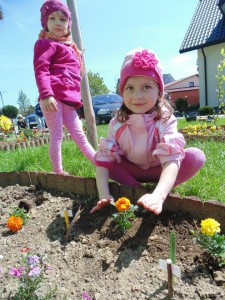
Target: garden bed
{"points": [[204, 132], [99, 259], [12, 145]]}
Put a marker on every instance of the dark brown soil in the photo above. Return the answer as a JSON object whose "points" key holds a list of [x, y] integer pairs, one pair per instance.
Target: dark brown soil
{"points": [[99, 259]]}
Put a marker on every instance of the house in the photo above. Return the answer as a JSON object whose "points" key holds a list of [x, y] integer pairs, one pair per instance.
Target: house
{"points": [[187, 87], [206, 34], [167, 78]]}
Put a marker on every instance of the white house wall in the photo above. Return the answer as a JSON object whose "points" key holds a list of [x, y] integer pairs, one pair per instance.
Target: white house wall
{"points": [[213, 57]]}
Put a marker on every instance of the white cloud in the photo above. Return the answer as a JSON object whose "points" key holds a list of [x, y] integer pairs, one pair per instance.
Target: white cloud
{"points": [[182, 65]]}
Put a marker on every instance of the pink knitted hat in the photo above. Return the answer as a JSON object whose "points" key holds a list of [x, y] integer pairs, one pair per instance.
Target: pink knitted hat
{"points": [[141, 62], [50, 6]]}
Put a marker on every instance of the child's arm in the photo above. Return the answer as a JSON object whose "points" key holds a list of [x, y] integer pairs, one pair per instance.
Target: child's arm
{"points": [[154, 202], [50, 104], [102, 177]]}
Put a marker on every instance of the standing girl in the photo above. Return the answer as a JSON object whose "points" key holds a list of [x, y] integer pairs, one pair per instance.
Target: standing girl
{"points": [[58, 67], [143, 144]]}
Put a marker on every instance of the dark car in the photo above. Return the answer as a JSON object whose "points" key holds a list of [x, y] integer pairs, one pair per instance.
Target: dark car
{"points": [[178, 114], [191, 116], [105, 106]]}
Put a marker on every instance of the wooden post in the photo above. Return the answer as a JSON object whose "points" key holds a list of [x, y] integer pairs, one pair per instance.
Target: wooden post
{"points": [[85, 90], [170, 278]]}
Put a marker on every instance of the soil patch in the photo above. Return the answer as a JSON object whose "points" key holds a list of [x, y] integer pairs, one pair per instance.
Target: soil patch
{"points": [[99, 259]]}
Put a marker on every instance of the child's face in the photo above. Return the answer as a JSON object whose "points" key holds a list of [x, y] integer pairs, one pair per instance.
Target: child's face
{"points": [[140, 94], [57, 24]]}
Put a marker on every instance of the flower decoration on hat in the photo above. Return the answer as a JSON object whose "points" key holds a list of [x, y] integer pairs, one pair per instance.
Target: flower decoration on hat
{"points": [[144, 60]]}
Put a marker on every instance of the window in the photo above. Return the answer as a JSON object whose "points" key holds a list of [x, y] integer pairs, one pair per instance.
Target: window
{"points": [[191, 84]]}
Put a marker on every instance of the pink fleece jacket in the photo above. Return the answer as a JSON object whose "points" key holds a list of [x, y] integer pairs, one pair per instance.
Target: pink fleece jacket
{"points": [[143, 141], [57, 71]]}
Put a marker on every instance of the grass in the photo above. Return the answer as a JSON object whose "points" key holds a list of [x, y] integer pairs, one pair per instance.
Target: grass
{"points": [[207, 184]]}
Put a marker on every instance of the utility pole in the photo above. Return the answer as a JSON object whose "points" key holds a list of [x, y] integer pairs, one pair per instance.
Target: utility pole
{"points": [[85, 90], [2, 99], [1, 14]]}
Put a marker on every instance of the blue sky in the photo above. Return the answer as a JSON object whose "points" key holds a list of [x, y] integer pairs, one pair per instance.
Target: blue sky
{"points": [[109, 28]]}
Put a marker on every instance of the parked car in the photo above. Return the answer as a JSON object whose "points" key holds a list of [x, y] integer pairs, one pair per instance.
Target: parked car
{"points": [[105, 106], [31, 121]]}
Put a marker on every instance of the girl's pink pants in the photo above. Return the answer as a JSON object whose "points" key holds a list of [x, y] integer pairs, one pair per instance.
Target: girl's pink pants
{"points": [[130, 174], [67, 116]]}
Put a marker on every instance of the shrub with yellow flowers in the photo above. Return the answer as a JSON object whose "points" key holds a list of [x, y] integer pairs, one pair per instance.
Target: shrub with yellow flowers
{"points": [[125, 213], [5, 123], [17, 219], [205, 130], [209, 238]]}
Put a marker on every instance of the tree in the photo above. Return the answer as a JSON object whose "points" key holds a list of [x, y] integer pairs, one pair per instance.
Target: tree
{"points": [[220, 92], [10, 111], [97, 85], [24, 103], [181, 104]]}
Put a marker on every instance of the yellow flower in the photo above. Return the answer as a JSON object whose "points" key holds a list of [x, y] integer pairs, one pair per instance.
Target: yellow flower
{"points": [[14, 223], [122, 204], [5, 123], [210, 227]]}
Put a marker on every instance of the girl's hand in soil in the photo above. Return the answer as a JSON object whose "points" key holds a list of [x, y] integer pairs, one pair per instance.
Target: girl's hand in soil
{"points": [[152, 202], [103, 202]]}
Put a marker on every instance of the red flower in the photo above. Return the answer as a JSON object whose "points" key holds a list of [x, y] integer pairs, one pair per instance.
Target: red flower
{"points": [[25, 250]]}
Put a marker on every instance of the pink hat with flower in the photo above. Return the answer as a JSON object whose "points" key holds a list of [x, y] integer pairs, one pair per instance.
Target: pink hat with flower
{"points": [[51, 6], [141, 62]]}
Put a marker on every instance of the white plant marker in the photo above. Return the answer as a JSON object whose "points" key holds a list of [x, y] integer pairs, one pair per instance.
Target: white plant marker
{"points": [[172, 270], [175, 269]]}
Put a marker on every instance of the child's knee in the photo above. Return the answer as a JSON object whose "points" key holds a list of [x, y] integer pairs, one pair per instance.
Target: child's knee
{"points": [[195, 156]]}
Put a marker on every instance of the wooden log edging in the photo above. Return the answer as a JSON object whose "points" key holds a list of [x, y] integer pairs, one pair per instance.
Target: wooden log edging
{"points": [[87, 186], [32, 143]]}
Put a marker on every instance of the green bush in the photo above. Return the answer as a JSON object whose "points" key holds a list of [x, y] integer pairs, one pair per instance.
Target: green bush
{"points": [[10, 111], [193, 107], [206, 110], [181, 104]]}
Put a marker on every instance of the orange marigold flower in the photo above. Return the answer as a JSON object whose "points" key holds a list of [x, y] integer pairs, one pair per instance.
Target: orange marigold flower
{"points": [[14, 223], [122, 204]]}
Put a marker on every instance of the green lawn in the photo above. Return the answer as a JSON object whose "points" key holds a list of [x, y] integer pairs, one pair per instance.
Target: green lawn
{"points": [[207, 184]]}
